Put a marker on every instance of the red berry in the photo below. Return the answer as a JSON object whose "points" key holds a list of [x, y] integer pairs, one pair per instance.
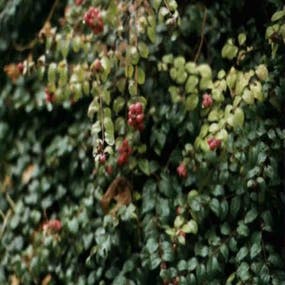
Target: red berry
{"points": [[20, 67], [139, 118], [102, 158], [214, 143], [132, 109], [49, 96], [207, 101], [130, 122], [182, 170], [94, 20], [141, 127], [78, 2], [138, 107], [52, 225], [122, 159]]}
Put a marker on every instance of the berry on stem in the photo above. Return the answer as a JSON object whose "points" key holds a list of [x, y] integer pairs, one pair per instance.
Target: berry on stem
{"points": [[214, 143], [49, 96], [182, 170], [207, 101], [136, 116], [52, 226], [94, 21]]}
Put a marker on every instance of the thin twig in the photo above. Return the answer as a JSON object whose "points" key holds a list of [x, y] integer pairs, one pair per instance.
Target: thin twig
{"points": [[10, 201], [202, 36], [2, 214], [31, 44], [7, 216]]}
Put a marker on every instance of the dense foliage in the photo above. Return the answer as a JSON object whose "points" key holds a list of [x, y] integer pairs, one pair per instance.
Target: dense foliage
{"points": [[141, 143]]}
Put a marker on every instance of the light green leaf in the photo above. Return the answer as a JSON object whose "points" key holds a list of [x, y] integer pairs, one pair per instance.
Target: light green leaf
{"points": [[191, 102], [141, 76], [109, 131]]}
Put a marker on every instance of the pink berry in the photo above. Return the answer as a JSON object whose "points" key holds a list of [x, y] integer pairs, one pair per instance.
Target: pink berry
{"points": [[102, 158], [139, 118], [182, 170], [214, 143], [97, 65], [138, 108], [207, 100]]}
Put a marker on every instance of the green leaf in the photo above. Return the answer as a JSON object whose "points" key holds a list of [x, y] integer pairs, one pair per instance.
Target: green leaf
{"points": [[235, 206], [143, 50], [250, 216], [144, 166], [229, 50], [278, 15], [133, 90], [255, 250], [191, 84], [151, 33], [109, 131], [151, 245], [73, 226], [243, 252], [190, 227], [241, 38], [192, 264], [215, 206], [242, 229], [141, 76], [118, 104], [191, 102], [243, 271], [237, 119]]}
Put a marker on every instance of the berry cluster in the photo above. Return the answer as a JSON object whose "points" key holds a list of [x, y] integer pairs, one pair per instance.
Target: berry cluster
{"points": [[52, 226], [124, 152], [207, 101], [182, 170], [94, 20], [136, 116], [49, 96], [214, 143]]}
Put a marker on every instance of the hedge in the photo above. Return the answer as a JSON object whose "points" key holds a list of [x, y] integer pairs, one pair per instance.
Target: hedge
{"points": [[141, 142]]}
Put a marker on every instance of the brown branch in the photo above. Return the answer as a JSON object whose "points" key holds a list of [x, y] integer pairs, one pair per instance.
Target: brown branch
{"points": [[202, 36], [31, 44]]}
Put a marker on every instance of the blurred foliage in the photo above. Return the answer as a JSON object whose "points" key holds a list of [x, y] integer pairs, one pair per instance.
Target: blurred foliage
{"points": [[197, 215]]}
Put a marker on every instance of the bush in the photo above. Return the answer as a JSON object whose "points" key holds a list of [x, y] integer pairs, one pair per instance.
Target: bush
{"points": [[185, 104]]}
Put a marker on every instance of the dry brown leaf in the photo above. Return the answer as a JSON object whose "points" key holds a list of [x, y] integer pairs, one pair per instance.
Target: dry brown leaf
{"points": [[46, 30], [28, 173], [46, 280], [120, 191], [14, 280], [6, 183], [12, 71]]}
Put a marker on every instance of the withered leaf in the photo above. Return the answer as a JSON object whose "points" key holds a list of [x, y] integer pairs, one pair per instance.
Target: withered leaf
{"points": [[28, 173], [46, 280], [119, 191]]}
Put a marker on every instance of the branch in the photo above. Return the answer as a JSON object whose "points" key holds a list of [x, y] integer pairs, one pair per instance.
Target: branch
{"points": [[202, 36], [31, 44]]}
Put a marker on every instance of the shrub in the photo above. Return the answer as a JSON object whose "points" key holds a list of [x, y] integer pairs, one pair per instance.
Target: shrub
{"points": [[184, 106]]}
